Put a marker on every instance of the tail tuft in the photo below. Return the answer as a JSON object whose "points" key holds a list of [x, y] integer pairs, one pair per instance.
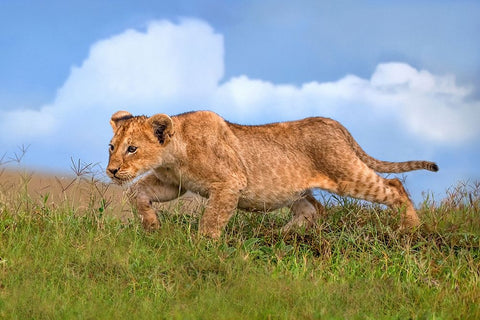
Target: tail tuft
{"points": [[433, 167]]}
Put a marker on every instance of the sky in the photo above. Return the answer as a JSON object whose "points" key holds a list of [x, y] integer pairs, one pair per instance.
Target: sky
{"points": [[402, 76]]}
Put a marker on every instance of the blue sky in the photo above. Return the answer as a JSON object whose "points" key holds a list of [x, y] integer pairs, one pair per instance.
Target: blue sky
{"points": [[402, 76]]}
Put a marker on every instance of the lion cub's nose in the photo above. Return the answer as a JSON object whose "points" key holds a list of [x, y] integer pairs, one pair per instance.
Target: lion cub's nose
{"points": [[113, 171]]}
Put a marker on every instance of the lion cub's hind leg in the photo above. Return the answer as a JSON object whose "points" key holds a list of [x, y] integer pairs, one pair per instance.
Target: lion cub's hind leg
{"points": [[409, 215], [306, 212], [366, 184]]}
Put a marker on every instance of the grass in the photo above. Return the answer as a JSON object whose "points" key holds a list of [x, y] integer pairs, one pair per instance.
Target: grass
{"points": [[65, 259]]}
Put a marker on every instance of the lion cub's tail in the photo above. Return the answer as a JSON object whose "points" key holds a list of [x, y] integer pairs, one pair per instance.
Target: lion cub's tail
{"points": [[386, 166], [396, 167]]}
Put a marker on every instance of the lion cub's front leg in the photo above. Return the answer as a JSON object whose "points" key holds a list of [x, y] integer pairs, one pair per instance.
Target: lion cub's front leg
{"points": [[151, 189], [222, 203]]}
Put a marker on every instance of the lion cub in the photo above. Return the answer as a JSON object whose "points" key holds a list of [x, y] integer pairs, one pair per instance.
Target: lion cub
{"points": [[257, 168]]}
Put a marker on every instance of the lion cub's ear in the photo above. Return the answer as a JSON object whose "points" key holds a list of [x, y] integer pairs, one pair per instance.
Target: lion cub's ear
{"points": [[118, 117], [162, 127]]}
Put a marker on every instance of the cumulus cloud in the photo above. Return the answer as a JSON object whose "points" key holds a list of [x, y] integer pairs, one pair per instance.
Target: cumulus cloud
{"points": [[20, 125], [166, 62], [156, 70], [173, 68], [433, 108]]}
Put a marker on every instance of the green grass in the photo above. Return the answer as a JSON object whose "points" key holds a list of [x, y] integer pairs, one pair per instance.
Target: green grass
{"points": [[61, 262]]}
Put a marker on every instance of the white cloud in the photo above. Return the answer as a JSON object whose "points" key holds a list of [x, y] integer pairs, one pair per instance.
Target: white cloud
{"points": [[164, 63], [149, 71], [172, 68], [17, 125], [433, 108]]}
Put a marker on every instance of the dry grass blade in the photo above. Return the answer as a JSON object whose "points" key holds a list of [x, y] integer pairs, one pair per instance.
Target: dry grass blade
{"points": [[18, 156], [80, 168]]}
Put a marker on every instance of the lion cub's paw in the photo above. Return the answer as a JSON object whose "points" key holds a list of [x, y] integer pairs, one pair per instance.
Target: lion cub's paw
{"points": [[212, 233], [300, 222], [151, 224]]}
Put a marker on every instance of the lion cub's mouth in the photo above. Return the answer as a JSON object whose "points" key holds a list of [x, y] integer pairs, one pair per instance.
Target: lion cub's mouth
{"points": [[120, 179], [123, 178]]}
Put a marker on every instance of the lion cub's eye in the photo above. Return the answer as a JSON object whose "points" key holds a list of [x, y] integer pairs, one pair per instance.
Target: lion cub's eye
{"points": [[131, 149], [111, 147]]}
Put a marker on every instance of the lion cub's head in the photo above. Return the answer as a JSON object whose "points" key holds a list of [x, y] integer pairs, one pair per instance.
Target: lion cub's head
{"points": [[137, 144]]}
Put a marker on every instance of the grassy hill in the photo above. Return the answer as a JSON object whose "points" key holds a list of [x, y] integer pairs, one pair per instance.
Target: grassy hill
{"points": [[72, 248]]}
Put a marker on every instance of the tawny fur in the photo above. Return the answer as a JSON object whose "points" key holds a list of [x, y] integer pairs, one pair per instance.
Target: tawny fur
{"points": [[256, 168]]}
